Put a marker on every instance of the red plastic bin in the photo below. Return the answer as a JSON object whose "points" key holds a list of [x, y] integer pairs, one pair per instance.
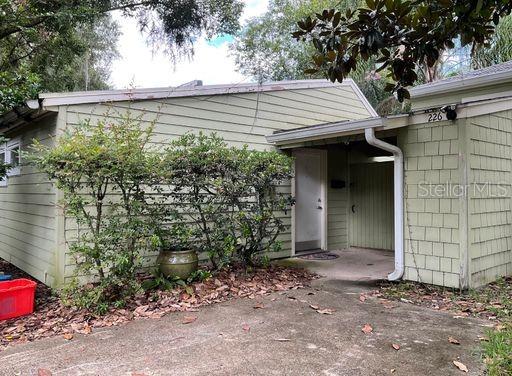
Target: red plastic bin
{"points": [[16, 298]]}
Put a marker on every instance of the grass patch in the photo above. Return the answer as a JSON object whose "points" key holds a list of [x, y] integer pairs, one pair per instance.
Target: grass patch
{"points": [[498, 351]]}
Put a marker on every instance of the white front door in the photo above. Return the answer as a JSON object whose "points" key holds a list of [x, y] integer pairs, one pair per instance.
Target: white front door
{"points": [[309, 196]]}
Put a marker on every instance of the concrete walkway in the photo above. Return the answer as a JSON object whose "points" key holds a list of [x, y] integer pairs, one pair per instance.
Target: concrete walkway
{"points": [[353, 264], [286, 337]]}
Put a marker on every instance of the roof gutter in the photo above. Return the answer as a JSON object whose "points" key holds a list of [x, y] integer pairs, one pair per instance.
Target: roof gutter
{"points": [[398, 199], [461, 84], [324, 131], [21, 115]]}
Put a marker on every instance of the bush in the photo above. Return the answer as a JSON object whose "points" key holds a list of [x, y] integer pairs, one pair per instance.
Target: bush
{"points": [[253, 191], [128, 198], [104, 170], [229, 196], [196, 169]]}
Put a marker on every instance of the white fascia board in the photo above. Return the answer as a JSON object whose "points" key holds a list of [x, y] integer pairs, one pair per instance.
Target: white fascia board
{"points": [[460, 84], [330, 130], [362, 98], [58, 99]]}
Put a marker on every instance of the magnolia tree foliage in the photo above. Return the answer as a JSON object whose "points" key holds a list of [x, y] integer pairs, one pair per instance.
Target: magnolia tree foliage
{"points": [[401, 35], [264, 50], [229, 197], [104, 170]]}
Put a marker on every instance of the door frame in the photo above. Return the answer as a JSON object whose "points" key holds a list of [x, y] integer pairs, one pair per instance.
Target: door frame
{"points": [[323, 193]]}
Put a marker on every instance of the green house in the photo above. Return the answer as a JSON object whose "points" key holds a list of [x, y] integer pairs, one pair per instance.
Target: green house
{"points": [[433, 187]]}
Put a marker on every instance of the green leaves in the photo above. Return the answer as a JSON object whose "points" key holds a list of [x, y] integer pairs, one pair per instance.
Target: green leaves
{"points": [[403, 36], [16, 88], [226, 196], [109, 174]]}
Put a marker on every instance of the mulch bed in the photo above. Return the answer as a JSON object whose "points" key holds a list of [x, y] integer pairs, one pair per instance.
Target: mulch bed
{"points": [[52, 318]]}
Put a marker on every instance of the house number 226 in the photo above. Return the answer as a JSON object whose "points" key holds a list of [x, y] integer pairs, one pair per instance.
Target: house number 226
{"points": [[435, 116]]}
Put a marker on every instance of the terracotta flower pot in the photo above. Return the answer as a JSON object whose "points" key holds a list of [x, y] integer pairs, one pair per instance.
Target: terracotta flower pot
{"points": [[177, 263]]}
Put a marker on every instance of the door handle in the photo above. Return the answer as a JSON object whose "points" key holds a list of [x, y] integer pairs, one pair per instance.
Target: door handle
{"points": [[353, 208]]}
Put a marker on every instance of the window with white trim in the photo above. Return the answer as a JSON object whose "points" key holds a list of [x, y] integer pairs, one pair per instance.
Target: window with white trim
{"points": [[10, 154]]}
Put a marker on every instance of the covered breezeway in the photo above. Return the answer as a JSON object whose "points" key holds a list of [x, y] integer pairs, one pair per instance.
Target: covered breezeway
{"points": [[344, 191]]}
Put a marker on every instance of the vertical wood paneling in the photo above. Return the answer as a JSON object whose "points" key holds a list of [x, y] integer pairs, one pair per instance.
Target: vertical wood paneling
{"points": [[371, 191]]}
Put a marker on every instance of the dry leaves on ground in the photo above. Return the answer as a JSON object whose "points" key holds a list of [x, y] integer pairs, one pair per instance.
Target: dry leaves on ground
{"points": [[486, 302], [52, 318], [460, 366], [395, 346], [326, 311], [367, 329], [188, 319], [453, 340]]}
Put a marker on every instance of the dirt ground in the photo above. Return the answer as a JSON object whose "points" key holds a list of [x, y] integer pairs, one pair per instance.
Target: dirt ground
{"points": [[280, 334]]}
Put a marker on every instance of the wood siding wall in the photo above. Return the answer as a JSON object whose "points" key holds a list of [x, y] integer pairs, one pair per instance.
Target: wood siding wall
{"points": [[28, 211], [371, 193], [337, 200], [243, 118], [490, 215]]}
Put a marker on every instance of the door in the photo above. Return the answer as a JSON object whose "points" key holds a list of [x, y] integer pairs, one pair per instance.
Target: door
{"points": [[310, 199], [371, 205]]}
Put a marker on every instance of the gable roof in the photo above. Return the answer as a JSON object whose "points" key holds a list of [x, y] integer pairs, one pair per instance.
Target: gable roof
{"points": [[192, 89], [33, 109]]}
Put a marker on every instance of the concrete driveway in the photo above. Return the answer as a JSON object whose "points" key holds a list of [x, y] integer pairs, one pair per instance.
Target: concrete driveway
{"points": [[285, 337]]}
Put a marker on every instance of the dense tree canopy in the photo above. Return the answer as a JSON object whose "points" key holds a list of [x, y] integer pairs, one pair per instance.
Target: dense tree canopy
{"points": [[41, 39], [264, 50], [401, 35]]}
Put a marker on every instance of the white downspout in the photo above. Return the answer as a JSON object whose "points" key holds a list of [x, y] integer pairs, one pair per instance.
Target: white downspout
{"points": [[398, 199]]}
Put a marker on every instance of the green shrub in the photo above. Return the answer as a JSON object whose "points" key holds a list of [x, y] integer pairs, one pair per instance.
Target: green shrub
{"points": [[253, 190], [228, 196], [128, 198], [196, 167], [105, 170]]}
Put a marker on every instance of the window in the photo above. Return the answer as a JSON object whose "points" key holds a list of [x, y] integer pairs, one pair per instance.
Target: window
{"points": [[10, 154]]}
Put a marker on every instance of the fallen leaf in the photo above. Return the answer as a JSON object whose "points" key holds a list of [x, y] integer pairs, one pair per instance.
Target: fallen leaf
{"points": [[246, 327], [460, 366], [367, 328], [393, 370], [315, 307], [188, 319], [282, 339], [43, 372], [453, 340], [68, 336], [362, 298], [326, 311], [395, 346], [86, 330], [258, 306]]}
